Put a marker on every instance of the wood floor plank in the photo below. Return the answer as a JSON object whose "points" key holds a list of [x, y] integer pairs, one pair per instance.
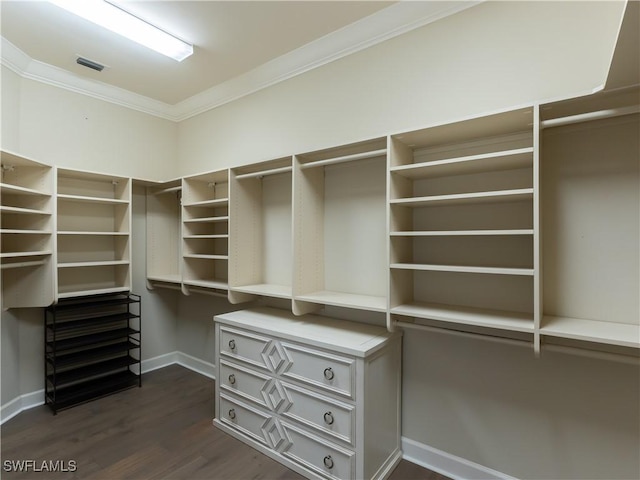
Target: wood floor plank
{"points": [[160, 431]]}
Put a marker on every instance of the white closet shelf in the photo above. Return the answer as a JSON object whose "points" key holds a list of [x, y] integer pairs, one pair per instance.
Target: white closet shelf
{"points": [[206, 257], [217, 284], [218, 202], [349, 300], [206, 220], [167, 278], [34, 253], [621, 334], [266, 289], [24, 232], [86, 199], [487, 162], [463, 269], [22, 211], [18, 190], [65, 292], [205, 236], [455, 233], [481, 317], [500, 196], [345, 158], [92, 233], [105, 263]]}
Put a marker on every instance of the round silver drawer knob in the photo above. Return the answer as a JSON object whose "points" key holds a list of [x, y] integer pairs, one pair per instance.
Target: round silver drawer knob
{"points": [[232, 379], [328, 373], [328, 461], [232, 414], [328, 418], [232, 344]]}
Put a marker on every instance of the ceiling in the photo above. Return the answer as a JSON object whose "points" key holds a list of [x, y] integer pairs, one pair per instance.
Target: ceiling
{"points": [[239, 46]]}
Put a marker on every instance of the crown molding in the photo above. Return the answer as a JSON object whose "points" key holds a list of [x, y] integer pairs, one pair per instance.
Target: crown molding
{"points": [[399, 18]]}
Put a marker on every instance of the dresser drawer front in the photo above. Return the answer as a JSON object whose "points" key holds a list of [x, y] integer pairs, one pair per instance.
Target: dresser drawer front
{"points": [[245, 346], [318, 455], [248, 420], [248, 384], [327, 415], [324, 370]]}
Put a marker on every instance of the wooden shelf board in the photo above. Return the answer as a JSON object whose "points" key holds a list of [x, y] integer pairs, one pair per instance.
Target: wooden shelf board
{"points": [[349, 300], [86, 199], [266, 289], [106, 263], [455, 233], [63, 293], [35, 253], [196, 237], [206, 257], [206, 220], [24, 211], [24, 232], [166, 278], [463, 269], [621, 334], [487, 162], [500, 196], [81, 233], [18, 190], [217, 284], [217, 202], [514, 321]]}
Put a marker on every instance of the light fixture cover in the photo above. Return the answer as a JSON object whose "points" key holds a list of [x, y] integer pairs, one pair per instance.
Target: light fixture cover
{"points": [[123, 23]]}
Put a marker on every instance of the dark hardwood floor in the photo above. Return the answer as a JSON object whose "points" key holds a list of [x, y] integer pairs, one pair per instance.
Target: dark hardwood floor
{"points": [[160, 431]]}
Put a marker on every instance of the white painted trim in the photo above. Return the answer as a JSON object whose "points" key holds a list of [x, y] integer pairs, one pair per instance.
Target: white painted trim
{"points": [[161, 361], [199, 366], [390, 22], [21, 403], [447, 464]]}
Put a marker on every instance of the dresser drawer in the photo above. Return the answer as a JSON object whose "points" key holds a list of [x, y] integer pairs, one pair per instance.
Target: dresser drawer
{"points": [[327, 415], [248, 420], [330, 372], [317, 454], [248, 384], [245, 346]]}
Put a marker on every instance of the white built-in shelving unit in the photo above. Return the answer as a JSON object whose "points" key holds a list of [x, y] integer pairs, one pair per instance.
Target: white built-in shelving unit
{"points": [[590, 198], [26, 212], [93, 247], [164, 232], [463, 223], [339, 236], [205, 233], [260, 230]]}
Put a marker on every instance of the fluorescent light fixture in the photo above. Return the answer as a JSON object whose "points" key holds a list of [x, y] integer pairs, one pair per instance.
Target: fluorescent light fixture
{"points": [[123, 23]]}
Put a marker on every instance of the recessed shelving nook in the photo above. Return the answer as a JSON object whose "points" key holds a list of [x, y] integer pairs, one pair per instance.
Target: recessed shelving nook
{"points": [[93, 233], [261, 230], [205, 233], [590, 191], [340, 228], [164, 232], [26, 257], [463, 223]]}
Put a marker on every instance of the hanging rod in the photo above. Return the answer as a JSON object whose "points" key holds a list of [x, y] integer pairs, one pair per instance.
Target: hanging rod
{"points": [[492, 338], [160, 284], [204, 291], [589, 116], [345, 158], [264, 173], [168, 190], [34, 263]]}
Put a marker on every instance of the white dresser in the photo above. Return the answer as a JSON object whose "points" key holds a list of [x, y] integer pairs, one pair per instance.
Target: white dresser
{"points": [[320, 395]]}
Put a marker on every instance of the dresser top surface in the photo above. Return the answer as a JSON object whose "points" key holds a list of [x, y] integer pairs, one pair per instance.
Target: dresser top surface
{"points": [[334, 334]]}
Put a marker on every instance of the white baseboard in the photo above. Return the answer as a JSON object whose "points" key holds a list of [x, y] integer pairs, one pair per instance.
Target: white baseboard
{"points": [[34, 399], [21, 403], [447, 464]]}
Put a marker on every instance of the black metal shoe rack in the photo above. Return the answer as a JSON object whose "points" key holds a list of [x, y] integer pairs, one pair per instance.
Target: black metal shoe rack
{"points": [[92, 348]]}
